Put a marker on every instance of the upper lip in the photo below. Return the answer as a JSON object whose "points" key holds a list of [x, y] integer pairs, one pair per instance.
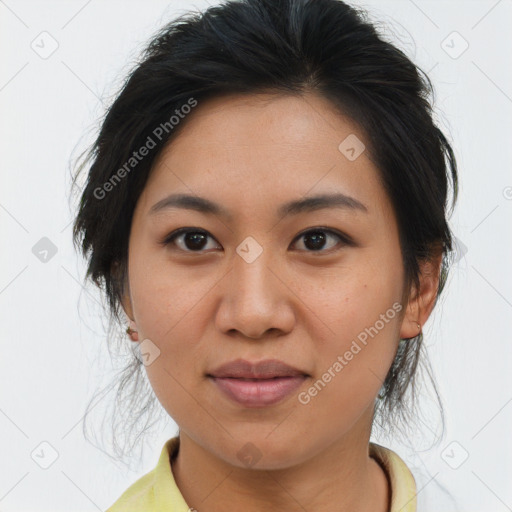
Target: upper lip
{"points": [[267, 369]]}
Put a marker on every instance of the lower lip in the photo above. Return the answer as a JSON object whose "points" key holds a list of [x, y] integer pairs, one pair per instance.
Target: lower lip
{"points": [[258, 393]]}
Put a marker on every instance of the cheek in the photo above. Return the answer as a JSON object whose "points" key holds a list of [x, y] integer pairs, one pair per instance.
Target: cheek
{"points": [[163, 295], [352, 364], [165, 306], [354, 297], [362, 309]]}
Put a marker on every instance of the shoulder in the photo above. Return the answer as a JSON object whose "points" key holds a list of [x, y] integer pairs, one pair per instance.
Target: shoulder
{"points": [[156, 490], [139, 496], [413, 488], [401, 480]]}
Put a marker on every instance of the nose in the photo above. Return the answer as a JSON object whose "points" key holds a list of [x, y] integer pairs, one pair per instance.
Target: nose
{"points": [[256, 301]]}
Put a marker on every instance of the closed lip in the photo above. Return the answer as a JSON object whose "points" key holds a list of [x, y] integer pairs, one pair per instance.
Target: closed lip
{"points": [[266, 369]]}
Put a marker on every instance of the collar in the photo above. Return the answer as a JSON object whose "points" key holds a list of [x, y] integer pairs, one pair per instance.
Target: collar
{"points": [[400, 478]]}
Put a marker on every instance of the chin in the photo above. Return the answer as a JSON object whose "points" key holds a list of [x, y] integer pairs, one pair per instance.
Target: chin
{"points": [[262, 451]]}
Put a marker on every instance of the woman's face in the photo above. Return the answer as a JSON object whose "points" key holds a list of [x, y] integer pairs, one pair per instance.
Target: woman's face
{"points": [[318, 288]]}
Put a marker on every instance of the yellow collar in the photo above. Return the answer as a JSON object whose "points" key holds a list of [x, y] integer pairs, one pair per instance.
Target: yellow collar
{"points": [[157, 490]]}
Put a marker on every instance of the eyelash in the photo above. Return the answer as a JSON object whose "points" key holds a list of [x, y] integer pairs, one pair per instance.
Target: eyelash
{"points": [[345, 240]]}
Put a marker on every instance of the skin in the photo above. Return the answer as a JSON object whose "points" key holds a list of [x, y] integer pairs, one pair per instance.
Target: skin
{"points": [[303, 306]]}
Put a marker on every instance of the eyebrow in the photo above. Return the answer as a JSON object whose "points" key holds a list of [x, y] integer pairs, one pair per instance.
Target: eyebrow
{"points": [[308, 204]]}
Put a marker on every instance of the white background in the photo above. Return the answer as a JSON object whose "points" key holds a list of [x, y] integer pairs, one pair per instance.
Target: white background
{"points": [[52, 332]]}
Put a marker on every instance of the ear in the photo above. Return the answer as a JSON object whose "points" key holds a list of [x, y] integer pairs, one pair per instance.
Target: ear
{"points": [[422, 300], [125, 298], [126, 303], [127, 307]]}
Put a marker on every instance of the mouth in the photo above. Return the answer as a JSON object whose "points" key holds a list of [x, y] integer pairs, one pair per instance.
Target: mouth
{"points": [[257, 384], [258, 392], [256, 380], [267, 369]]}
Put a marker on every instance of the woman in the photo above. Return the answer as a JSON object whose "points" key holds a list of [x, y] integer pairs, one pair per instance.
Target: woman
{"points": [[266, 207]]}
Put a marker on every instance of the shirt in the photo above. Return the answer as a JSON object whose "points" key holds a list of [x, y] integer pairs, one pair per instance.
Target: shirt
{"points": [[157, 491]]}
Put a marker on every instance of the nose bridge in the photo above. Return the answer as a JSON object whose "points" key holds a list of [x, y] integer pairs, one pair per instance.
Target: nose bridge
{"points": [[253, 282], [254, 300]]}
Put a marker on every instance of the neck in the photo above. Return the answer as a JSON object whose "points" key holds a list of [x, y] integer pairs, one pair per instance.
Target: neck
{"points": [[341, 478]]}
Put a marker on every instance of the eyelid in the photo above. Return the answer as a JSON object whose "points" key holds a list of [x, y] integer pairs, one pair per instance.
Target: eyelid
{"points": [[345, 239]]}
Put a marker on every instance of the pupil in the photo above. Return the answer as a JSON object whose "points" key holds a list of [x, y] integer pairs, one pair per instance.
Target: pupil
{"points": [[318, 240], [195, 240]]}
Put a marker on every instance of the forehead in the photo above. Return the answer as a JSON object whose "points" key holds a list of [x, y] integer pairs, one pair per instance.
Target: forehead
{"points": [[265, 119], [250, 149]]}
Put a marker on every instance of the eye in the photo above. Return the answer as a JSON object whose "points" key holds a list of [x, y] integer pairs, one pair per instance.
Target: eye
{"points": [[315, 239], [195, 240]]}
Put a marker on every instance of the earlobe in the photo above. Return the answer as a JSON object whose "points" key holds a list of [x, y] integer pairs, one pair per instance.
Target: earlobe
{"points": [[422, 300], [131, 330], [410, 329]]}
